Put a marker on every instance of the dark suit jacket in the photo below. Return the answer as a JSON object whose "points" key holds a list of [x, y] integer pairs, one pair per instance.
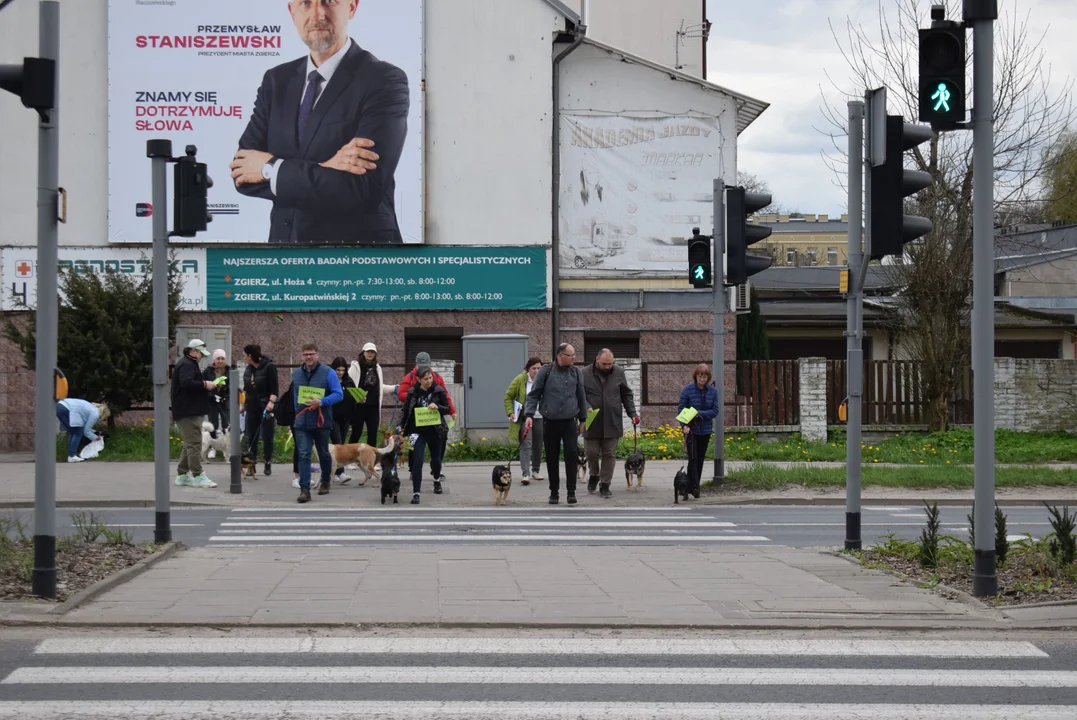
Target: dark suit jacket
{"points": [[366, 98]]}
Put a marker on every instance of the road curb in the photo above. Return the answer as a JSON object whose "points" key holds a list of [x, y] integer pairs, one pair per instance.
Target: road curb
{"points": [[840, 501], [105, 584], [124, 504]]}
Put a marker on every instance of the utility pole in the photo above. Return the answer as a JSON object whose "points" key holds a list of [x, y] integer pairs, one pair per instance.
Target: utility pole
{"points": [[854, 365], [160, 154], [718, 355], [982, 14]]}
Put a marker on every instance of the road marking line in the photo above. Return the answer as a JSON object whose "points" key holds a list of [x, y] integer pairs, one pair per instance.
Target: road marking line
{"points": [[808, 647], [493, 710], [454, 510], [442, 675], [283, 537], [480, 523]]}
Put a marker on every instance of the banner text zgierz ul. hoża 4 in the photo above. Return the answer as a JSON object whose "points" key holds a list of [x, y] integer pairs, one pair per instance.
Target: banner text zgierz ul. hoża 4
{"points": [[191, 71]]}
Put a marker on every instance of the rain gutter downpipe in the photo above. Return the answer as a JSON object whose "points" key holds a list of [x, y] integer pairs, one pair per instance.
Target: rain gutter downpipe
{"points": [[555, 250]]}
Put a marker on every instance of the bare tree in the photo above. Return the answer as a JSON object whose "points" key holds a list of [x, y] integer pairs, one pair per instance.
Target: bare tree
{"points": [[753, 184], [935, 276]]}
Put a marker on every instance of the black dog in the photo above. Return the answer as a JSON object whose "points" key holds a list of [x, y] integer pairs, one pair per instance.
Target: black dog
{"points": [[390, 480], [634, 467], [502, 481], [680, 486]]}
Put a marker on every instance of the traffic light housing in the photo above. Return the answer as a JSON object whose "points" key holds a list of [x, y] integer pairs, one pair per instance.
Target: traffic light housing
{"points": [[700, 258], [740, 234], [891, 183], [34, 82], [942, 74], [191, 184]]}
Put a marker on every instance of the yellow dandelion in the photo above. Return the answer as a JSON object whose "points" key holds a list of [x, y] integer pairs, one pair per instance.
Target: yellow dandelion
{"points": [[484, 439]]}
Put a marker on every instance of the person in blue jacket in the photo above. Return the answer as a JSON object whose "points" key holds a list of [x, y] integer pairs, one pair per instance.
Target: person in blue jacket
{"points": [[77, 418], [702, 396], [320, 387]]}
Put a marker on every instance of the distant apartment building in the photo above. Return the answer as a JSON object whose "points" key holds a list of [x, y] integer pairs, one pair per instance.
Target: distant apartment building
{"points": [[806, 240]]}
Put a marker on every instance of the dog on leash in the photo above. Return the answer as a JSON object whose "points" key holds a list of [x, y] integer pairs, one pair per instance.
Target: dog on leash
{"points": [[248, 467], [680, 486], [634, 468], [361, 454], [502, 481], [220, 444], [390, 480]]}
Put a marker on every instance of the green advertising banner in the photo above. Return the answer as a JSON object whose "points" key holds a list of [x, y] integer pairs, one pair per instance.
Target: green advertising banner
{"points": [[374, 278]]}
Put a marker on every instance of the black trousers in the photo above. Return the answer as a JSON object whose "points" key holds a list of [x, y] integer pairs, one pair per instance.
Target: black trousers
{"points": [[366, 417], [338, 434], [256, 428], [555, 433], [218, 415], [696, 446]]}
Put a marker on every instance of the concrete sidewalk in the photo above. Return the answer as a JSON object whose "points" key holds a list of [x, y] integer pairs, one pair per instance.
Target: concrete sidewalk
{"points": [[523, 586], [104, 484]]}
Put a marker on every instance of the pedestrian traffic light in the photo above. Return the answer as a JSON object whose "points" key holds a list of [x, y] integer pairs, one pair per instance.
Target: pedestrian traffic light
{"points": [[740, 234], [34, 82], [942, 72], [891, 183], [699, 260], [191, 184]]}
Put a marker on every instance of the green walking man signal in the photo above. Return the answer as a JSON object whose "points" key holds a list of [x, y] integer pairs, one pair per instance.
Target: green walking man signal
{"points": [[942, 98], [700, 272]]}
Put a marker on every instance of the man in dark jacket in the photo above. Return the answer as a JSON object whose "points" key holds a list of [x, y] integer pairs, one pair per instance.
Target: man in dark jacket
{"points": [[558, 393], [190, 405], [260, 389], [607, 391]]}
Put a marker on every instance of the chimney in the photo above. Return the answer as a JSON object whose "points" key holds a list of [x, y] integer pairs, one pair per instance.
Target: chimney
{"points": [[824, 218]]}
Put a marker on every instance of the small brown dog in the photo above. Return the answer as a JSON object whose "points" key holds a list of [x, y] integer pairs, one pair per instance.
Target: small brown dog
{"points": [[248, 467], [366, 457], [502, 481]]}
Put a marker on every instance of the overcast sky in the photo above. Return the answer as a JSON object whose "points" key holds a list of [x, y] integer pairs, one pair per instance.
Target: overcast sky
{"points": [[783, 54]]}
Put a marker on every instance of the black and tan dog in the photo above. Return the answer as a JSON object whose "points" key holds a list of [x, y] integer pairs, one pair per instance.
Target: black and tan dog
{"points": [[502, 481], [680, 486], [634, 468], [248, 467], [389, 478]]}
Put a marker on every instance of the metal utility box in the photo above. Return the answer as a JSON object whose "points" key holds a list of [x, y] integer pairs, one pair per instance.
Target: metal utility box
{"points": [[216, 337], [490, 364]]}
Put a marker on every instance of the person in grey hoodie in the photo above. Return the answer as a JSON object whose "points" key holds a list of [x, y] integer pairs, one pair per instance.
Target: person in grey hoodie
{"points": [[558, 392]]}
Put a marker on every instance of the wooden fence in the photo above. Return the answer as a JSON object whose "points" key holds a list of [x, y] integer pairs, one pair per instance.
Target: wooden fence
{"points": [[893, 393]]}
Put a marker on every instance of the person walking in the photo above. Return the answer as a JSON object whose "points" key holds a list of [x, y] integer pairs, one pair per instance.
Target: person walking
{"points": [[77, 418], [365, 373], [219, 405], [701, 396], [608, 392], [261, 390], [190, 404], [345, 409], [426, 394], [316, 389], [422, 359], [558, 395], [530, 443]]}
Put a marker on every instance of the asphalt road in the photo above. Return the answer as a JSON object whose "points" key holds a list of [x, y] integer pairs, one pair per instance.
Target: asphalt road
{"points": [[795, 526], [402, 674]]}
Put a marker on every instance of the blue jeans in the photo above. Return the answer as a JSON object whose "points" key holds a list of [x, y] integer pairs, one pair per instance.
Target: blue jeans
{"points": [[437, 452], [74, 434], [305, 441]]}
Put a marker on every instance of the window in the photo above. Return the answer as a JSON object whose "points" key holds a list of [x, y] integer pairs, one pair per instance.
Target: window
{"points": [[791, 257], [813, 256], [831, 256], [622, 344], [442, 343]]}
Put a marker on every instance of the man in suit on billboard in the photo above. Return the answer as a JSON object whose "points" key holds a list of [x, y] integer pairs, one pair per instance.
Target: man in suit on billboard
{"points": [[326, 135]]}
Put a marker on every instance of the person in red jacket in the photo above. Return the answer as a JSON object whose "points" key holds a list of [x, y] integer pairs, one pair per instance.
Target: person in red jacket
{"points": [[411, 378]]}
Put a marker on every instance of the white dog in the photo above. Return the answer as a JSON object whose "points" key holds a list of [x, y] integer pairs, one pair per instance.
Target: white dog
{"points": [[221, 444]]}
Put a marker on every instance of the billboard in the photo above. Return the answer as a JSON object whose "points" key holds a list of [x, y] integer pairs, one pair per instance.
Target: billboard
{"points": [[277, 93], [632, 189]]}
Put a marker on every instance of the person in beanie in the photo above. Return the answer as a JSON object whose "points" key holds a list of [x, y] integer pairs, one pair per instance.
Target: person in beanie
{"points": [[218, 407], [190, 405], [607, 391], [427, 394], [559, 393]]}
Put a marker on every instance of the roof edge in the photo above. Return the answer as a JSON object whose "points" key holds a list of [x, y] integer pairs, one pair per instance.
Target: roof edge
{"points": [[565, 10]]}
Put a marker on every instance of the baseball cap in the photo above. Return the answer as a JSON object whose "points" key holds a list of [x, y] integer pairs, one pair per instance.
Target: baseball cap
{"points": [[370, 346], [422, 358], [198, 345]]}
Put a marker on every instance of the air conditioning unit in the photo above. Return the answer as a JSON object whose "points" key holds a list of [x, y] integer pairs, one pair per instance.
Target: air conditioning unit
{"points": [[740, 298]]}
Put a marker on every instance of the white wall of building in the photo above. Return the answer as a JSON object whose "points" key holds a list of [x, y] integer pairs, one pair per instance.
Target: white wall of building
{"points": [[648, 28]]}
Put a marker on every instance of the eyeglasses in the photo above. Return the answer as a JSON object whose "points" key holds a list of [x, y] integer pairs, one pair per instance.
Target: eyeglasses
{"points": [[568, 356]]}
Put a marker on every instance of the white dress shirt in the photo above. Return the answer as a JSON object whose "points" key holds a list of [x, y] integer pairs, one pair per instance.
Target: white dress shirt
{"points": [[326, 70]]}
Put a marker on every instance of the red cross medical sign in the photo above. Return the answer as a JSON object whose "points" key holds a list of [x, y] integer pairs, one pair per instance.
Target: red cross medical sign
{"points": [[24, 269]]}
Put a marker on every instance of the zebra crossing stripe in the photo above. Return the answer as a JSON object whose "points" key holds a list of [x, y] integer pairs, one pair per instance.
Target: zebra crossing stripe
{"points": [[282, 537], [541, 646]]}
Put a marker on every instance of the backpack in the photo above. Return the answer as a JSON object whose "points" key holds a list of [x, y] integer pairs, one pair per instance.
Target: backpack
{"points": [[284, 410]]}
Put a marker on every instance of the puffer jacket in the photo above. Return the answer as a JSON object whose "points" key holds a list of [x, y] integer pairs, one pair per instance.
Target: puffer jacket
{"points": [[705, 402]]}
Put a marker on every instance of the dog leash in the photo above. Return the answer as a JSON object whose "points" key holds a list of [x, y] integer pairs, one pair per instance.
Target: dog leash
{"points": [[635, 437]]}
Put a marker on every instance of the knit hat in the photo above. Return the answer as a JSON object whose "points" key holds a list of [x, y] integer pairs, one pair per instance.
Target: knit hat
{"points": [[219, 354], [370, 346], [422, 358]]}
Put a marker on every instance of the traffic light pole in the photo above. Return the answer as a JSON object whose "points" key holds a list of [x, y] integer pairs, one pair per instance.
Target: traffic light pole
{"points": [[160, 154], [854, 366], [982, 15], [718, 359], [43, 576]]}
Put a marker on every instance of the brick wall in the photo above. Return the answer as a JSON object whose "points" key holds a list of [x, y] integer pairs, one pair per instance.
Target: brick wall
{"points": [[813, 399], [1035, 395]]}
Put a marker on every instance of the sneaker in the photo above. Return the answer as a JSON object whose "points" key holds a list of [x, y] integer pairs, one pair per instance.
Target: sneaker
{"points": [[323, 488], [604, 490], [525, 480], [315, 467], [268, 469], [553, 499], [211, 454], [592, 484], [537, 477], [201, 481], [75, 458], [442, 478], [343, 478], [181, 480], [415, 499], [304, 496], [437, 487], [295, 482], [571, 499]]}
